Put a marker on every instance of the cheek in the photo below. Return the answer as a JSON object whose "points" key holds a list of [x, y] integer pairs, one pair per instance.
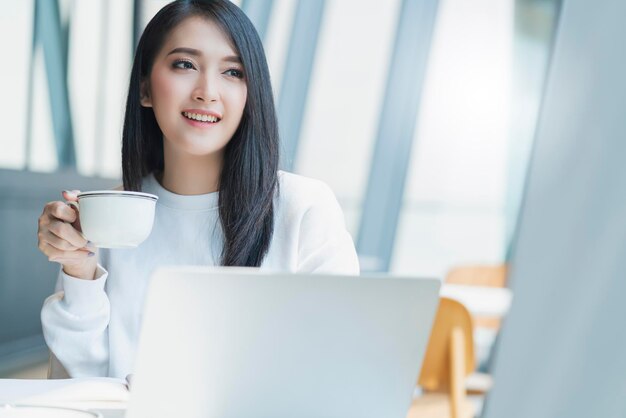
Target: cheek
{"points": [[238, 101], [164, 88], [243, 98]]}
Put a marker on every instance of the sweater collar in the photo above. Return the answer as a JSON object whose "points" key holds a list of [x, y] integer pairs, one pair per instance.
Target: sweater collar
{"points": [[177, 201]]}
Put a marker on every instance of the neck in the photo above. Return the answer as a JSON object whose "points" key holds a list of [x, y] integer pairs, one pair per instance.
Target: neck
{"points": [[186, 174]]}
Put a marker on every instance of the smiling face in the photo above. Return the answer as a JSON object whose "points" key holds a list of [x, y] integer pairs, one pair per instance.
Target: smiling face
{"points": [[196, 88]]}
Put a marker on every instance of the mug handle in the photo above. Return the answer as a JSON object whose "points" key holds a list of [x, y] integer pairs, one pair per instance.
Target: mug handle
{"points": [[74, 205]]}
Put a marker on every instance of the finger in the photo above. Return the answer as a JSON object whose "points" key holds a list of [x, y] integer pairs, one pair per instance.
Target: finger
{"points": [[62, 211], [70, 195], [73, 258], [76, 258], [67, 232], [60, 256], [58, 243]]}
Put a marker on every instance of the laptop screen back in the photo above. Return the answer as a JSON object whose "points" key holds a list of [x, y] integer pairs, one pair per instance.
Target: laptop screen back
{"points": [[239, 343]]}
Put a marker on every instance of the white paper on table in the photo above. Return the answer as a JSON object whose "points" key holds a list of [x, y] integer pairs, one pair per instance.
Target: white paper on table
{"points": [[41, 391], [480, 300]]}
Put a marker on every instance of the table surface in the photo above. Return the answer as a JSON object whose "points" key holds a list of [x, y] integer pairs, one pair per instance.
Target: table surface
{"points": [[109, 396]]}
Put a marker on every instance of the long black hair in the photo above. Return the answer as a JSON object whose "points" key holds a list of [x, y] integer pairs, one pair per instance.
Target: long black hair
{"points": [[249, 178]]}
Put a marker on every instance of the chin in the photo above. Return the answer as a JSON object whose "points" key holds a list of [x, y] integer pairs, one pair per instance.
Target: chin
{"points": [[202, 151], [197, 145]]}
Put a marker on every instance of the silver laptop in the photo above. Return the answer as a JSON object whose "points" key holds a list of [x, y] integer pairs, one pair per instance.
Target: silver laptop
{"points": [[240, 343]]}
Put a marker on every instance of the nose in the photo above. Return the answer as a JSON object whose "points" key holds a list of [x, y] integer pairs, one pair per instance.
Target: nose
{"points": [[206, 89]]}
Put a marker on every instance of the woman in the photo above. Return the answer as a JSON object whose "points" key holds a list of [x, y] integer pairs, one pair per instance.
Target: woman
{"points": [[200, 132]]}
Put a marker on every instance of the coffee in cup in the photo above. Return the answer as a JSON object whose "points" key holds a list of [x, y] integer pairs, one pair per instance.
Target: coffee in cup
{"points": [[114, 218]]}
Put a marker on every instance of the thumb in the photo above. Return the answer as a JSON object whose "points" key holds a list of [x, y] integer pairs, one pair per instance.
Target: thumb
{"points": [[70, 195]]}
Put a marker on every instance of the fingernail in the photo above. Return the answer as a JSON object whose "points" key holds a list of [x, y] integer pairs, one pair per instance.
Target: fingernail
{"points": [[90, 254], [65, 191]]}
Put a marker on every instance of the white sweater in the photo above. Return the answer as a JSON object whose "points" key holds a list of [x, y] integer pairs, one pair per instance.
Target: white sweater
{"points": [[92, 326]]}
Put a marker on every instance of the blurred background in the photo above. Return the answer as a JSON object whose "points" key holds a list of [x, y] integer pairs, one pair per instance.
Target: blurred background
{"points": [[420, 115]]}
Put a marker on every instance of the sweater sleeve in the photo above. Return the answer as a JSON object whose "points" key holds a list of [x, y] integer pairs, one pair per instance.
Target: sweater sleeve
{"points": [[75, 324], [325, 245]]}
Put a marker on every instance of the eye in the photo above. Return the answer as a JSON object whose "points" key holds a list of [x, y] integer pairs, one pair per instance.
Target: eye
{"points": [[183, 65], [234, 72]]}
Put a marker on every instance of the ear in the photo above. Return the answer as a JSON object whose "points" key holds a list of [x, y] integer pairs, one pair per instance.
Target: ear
{"points": [[144, 94]]}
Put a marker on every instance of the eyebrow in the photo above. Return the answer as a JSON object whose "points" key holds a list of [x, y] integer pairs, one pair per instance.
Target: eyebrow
{"points": [[197, 53]]}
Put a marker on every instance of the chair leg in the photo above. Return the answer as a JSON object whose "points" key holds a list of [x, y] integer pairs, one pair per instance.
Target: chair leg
{"points": [[457, 373]]}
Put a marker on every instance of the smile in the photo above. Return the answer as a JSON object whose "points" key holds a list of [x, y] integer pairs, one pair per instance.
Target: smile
{"points": [[201, 118]]}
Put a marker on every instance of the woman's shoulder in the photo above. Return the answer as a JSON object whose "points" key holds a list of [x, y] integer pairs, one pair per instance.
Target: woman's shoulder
{"points": [[300, 193], [301, 187]]}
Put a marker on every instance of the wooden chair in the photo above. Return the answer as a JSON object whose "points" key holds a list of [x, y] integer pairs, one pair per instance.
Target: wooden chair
{"points": [[449, 359], [480, 275]]}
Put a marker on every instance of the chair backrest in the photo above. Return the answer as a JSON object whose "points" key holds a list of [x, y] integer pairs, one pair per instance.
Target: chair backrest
{"points": [[480, 275], [452, 317], [487, 275]]}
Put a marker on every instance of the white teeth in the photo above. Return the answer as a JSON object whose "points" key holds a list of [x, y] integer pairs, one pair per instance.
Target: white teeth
{"points": [[201, 118]]}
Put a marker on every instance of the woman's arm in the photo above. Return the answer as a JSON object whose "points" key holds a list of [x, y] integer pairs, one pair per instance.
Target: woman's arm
{"points": [[325, 245], [75, 324]]}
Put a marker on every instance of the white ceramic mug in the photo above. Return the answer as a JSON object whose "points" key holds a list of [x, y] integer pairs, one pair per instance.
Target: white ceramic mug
{"points": [[115, 219]]}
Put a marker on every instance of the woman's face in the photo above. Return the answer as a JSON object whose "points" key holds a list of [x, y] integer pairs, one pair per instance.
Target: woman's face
{"points": [[196, 88]]}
